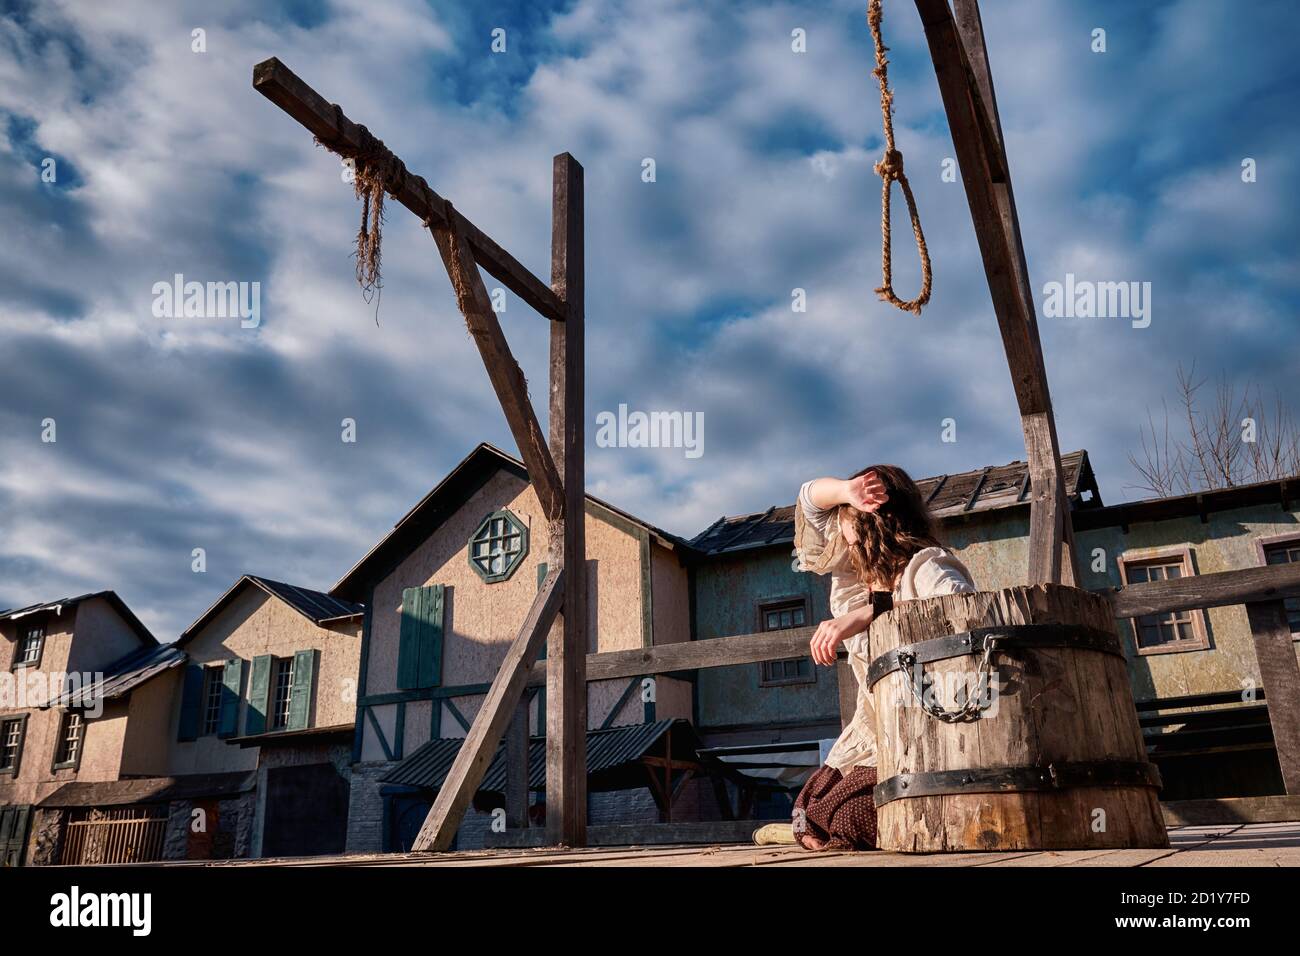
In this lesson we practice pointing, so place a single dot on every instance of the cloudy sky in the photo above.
(179, 433)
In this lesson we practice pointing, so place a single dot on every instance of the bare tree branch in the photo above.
(1236, 441)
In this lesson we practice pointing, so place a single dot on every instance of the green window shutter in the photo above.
(259, 692)
(232, 682)
(191, 703)
(304, 670)
(419, 648)
(408, 649)
(430, 672)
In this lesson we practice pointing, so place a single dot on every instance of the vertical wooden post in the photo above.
(1280, 675)
(517, 767)
(1041, 445)
(966, 85)
(566, 649)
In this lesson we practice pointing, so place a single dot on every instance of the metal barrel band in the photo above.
(1009, 638)
(1055, 776)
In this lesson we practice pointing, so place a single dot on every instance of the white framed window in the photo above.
(1174, 630)
(213, 687)
(12, 732)
(281, 693)
(1283, 549)
(71, 728)
(779, 616)
(30, 647)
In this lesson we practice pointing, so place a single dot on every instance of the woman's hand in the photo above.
(865, 492)
(830, 634)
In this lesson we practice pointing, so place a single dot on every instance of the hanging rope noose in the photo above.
(890, 170)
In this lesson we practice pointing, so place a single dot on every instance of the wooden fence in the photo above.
(126, 835)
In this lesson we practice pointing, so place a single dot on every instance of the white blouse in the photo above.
(820, 548)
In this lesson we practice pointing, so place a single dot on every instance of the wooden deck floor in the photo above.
(1260, 844)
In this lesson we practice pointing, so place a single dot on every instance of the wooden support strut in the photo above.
(281, 86)
(498, 709)
(507, 378)
(965, 82)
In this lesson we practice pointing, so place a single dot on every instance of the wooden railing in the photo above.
(1251, 586)
(1261, 589)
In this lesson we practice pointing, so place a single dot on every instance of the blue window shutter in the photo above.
(191, 702)
(259, 693)
(232, 683)
(304, 670)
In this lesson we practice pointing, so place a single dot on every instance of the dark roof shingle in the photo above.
(143, 633)
(317, 606)
(984, 489)
(124, 675)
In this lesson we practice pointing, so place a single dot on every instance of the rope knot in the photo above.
(890, 170)
(891, 167)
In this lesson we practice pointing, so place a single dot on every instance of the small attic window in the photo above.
(498, 546)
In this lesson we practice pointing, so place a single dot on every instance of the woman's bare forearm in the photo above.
(829, 492)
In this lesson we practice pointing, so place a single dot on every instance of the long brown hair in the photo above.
(890, 536)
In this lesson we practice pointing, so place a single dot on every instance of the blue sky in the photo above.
(177, 433)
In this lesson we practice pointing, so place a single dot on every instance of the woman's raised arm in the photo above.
(865, 492)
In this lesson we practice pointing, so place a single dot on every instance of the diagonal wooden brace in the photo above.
(476, 753)
(504, 372)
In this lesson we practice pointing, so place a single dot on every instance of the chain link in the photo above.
(971, 707)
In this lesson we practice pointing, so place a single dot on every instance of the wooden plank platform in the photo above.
(1225, 845)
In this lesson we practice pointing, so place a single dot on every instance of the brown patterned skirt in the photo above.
(835, 811)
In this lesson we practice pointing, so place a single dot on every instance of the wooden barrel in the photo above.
(1050, 757)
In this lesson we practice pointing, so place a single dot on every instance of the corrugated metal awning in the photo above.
(123, 676)
(610, 755)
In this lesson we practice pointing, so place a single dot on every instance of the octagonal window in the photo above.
(498, 546)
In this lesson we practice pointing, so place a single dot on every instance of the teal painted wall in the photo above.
(727, 595)
(994, 547)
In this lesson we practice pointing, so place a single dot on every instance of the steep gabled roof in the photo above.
(948, 496)
(473, 472)
(318, 607)
(141, 632)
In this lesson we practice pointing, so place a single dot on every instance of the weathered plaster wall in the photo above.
(1227, 541)
(149, 730)
(728, 593)
(102, 637)
(994, 546)
(481, 620)
(86, 638)
(253, 624)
